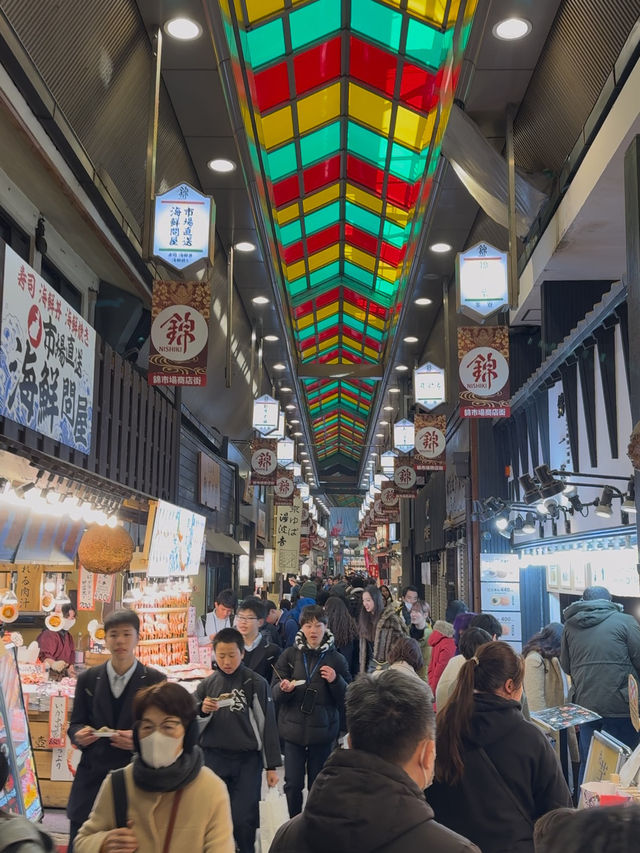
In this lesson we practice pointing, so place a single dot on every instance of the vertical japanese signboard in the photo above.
(287, 536)
(429, 388)
(264, 461)
(482, 279)
(430, 442)
(180, 314)
(405, 477)
(284, 488)
(389, 500)
(182, 228)
(483, 369)
(47, 354)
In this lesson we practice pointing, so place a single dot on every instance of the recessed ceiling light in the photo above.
(222, 165)
(440, 248)
(303, 453)
(411, 339)
(285, 389)
(271, 338)
(394, 390)
(296, 434)
(245, 246)
(401, 367)
(379, 435)
(293, 421)
(290, 406)
(388, 408)
(512, 28)
(384, 423)
(260, 300)
(423, 301)
(183, 29)
(279, 366)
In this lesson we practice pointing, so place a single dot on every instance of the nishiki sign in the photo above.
(47, 355)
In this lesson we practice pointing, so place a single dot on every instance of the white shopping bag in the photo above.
(273, 813)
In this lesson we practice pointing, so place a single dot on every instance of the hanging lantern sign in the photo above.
(284, 488)
(266, 414)
(264, 461)
(429, 386)
(297, 470)
(482, 280)
(388, 461)
(286, 447)
(403, 435)
(182, 226)
(388, 495)
(405, 477)
(430, 442)
(278, 432)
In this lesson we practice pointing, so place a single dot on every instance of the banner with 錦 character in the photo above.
(430, 442)
(47, 353)
(180, 312)
(284, 488)
(483, 370)
(389, 500)
(264, 461)
(405, 476)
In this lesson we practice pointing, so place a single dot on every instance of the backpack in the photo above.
(16, 830)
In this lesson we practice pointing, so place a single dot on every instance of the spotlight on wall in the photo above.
(502, 521)
(549, 486)
(603, 508)
(531, 491)
(529, 525)
(629, 502)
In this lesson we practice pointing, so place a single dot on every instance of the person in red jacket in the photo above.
(443, 648)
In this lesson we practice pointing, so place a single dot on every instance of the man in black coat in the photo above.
(260, 655)
(371, 796)
(104, 700)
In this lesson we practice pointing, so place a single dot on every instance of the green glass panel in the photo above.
(374, 333)
(297, 287)
(265, 43)
(352, 323)
(402, 162)
(464, 36)
(320, 144)
(385, 287)
(377, 22)
(425, 44)
(393, 234)
(362, 218)
(325, 274)
(322, 218)
(290, 233)
(282, 161)
(314, 22)
(354, 271)
(329, 323)
(364, 143)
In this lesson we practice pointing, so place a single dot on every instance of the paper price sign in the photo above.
(57, 721)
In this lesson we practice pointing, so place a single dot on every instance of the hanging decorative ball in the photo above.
(105, 550)
(633, 449)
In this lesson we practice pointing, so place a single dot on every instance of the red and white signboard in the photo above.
(180, 314)
(284, 487)
(264, 461)
(483, 369)
(405, 476)
(430, 442)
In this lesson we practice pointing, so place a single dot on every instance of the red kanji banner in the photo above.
(264, 461)
(180, 312)
(430, 442)
(483, 370)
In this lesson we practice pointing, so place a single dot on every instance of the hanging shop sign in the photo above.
(183, 226)
(278, 432)
(266, 414)
(389, 498)
(264, 461)
(180, 314)
(284, 487)
(483, 369)
(47, 353)
(405, 477)
(177, 535)
(287, 536)
(86, 589)
(482, 279)
(429, 389)
(430, 442)
(286, 448)
(403, 435)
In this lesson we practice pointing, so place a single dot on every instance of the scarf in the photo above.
(327, 643)
(177, 775)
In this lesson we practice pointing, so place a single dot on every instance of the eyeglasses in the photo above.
(246, 618)
(168, 727)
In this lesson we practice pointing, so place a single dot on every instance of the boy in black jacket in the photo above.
(242, 735)
(260, 654)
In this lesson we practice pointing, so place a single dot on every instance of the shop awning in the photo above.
(223, 544)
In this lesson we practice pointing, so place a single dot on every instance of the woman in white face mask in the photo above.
(170, 802)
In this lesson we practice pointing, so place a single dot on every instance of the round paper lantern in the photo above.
(105, 550)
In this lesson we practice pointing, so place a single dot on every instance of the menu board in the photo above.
(23, 787)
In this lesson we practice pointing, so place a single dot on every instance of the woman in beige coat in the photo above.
(545, 684)
(172, 803)
(379, 628)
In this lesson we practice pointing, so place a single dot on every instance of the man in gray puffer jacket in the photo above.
(600, 649)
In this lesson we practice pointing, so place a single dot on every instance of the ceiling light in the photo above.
(401, 367)
(411, 339)
(279, 366)
(285, 389)
(271, 338)
(297, 434)
(512, 28)
(222, 165)
(384, 423)
(549, 486)
(303, 453)
(183, 29)
(502, 521)
(245, 246)
(422, 300)
(379, 435)
(440, 248)
(260, 300)
(290, 406)
(388, 408)
(394, 390)
(294, 421)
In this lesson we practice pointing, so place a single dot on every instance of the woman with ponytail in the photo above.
(496, 773)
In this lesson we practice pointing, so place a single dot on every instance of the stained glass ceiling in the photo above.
(347, 105)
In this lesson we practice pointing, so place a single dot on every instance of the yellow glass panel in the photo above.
(388, 272)
(370, 109)
(371, 353)
(277, 127)
(307, 353)
(321, 198)
(257, 9)
(353, 311)
(363, 198)
(330, 399)
(367, 262)
(295, 271)
(237, 5)
(318, 108)
(414, 130)
(305, 322)
(328, 311)
(376, 322)
(396, 214)
(326, 256)
(288, 213)
(328, 344)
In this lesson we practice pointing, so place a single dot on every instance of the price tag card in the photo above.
(191, 622)
(194, 650)
(86, 586)
(104, 588)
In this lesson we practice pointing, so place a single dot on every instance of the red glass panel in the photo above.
(366, 242)
(329, 333)
(272, 86)
(419, 88)
(326, 298)
(365, 174)
(373, 66)
(323, 239)
(316, 66)
(300, 311)
(378, 310)
(353, 333)
(321, 174)
(292, 253)
(286, 190)
(401, 193)
(370, 342)
(355, 298)
(391, 254)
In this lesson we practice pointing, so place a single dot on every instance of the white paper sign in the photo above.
(104, 588)
(191, 622)
(182, 226)
(47, 355)
(64, 762)
(86, 584)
